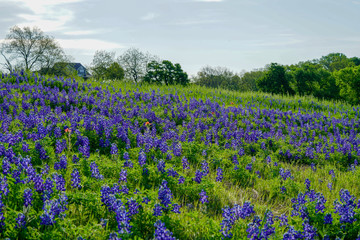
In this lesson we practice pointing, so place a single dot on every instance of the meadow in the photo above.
(116, 160)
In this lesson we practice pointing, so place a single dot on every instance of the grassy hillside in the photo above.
(108, 160)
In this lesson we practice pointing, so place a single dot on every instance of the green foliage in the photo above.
(335, 61)
(105, 66)
(59, 69)
(114, 72)
(348, 79)
(304, 78)
(165, 73)
(248, 80)
(311, 78)
(275, 80)
(326, 87)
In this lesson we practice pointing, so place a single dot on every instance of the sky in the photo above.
(237, 34)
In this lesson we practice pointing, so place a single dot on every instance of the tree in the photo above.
(114, 71)
(304, 76)
(355, 60)
(165, 73)
(232, 83)
(335, 61)
(214, 77)
(135, 63)
(275, 80)
(101, 62)
(325, 87)
(248, 80)
(348, 80)
(30, 49)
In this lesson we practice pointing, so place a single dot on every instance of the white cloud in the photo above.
(88, 44)
(47, 15)
(81, 32)
(148, 17)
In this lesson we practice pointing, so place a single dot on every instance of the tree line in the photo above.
(137, 66)
(30, 49)
(334, 76)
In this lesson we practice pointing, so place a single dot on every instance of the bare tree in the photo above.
(135, 63)
(101, 62)
(30, 49)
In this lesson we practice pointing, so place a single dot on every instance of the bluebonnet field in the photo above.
(89, 160)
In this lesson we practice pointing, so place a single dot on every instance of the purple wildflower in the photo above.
(157, 210)
(123, 175)
(20, 221)
(328, 219)
(28, 197)
(219, 175)
(203, 197)
(161, 233)
(142, 158)
(95, 171)
(198, 176)
(114, 149)
(75, 179)
(205, 168)
(249, 167)
(181, 180)
(165, 195)
(185, 163)
(176, 208)
(307, 184)
(161, 166)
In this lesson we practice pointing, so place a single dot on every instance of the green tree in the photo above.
(325, 87)
(114, 71)
(60, 69)
(275, 80)
(232, 83)
(304, 77)
(355, 60)
(348, 80)
(165, 73)
(335, 61)
(215, 77)
(248, 80)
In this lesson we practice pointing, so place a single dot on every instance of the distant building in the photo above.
(80, 69)
(66, 69)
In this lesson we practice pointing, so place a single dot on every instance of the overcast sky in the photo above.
(238, 34)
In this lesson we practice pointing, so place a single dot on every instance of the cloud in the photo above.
(88, 44)
(81, 32)
(47, 15)
(148, 17)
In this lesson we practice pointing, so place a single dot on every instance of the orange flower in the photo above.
(213, 113)
(67, 130)
(232, 103)
(147, 123)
